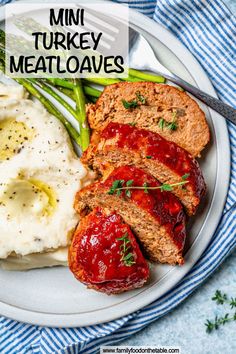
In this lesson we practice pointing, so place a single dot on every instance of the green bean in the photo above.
(80, 108)
(102, 81)
(132, 79)
(60, 82)
(146, 76)
(91, 91)
(88, 90)
(68, 92)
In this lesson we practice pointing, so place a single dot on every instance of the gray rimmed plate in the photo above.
(52, 297)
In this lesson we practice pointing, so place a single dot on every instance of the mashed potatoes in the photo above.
(39, 176)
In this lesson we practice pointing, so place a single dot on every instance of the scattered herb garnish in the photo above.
(185, 176)
(134, 103)
(169, 125)
(132, 124)
(126, 256)
(130, 104)
(141, 98)
(125, 239)
(148, 157)
(172, 126)
(118, 186)
(162, 123)
(221, 299)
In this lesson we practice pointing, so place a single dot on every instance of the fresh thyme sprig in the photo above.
(221, 299)
(126, 256)
(119, 185)
(218, 321)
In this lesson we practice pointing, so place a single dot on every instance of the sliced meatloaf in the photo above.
(156, 216)
(160, 108)
(121, 144)
(105, 255)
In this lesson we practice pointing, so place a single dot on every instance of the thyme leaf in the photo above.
(219, 298)
(128, 259)
(129, 182)
(166, 187)
(116, 185)
(128, 193)
(185, 176)
(232, 302)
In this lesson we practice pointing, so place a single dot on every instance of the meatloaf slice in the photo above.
(105, 255)
(160, 108)
(156, 216)
(121, 144)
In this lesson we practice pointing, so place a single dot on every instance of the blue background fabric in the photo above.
(208, 30)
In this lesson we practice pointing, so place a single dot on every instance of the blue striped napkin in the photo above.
(208, 29)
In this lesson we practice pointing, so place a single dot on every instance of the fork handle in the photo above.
(224, 109)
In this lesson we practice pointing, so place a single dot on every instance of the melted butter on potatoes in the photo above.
(32, 197)
(39, 177)
(13, 136)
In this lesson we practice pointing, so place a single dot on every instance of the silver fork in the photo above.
(142, 57)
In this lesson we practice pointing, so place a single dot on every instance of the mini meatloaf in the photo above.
(105, 255)
(122, 144)
(160, 108)
(156, 217)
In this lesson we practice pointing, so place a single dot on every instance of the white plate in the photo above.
(52, 297)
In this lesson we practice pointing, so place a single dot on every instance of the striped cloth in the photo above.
(208, 29)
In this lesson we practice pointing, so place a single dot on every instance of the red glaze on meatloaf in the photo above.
(158, 148)
(105, 255)
(162, 205)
